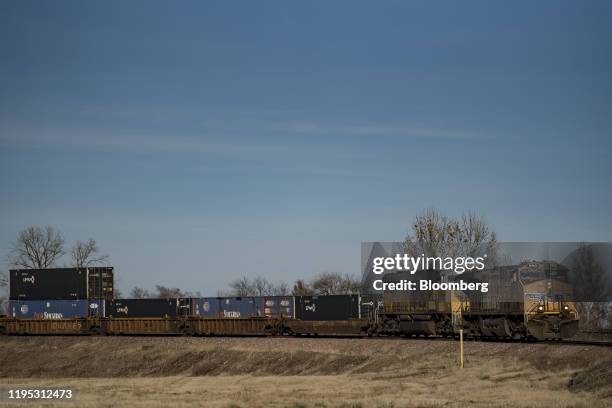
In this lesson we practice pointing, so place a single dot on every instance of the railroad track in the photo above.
(601, 343)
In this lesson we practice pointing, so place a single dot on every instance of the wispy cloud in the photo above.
(164, 141)
(121, 140)
(406, 130)
(288, 122)
(240, 132)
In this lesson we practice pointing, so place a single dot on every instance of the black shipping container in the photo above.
(100, 283)
(142, 308)
(61, 283)
(334, 307)
(57, 283)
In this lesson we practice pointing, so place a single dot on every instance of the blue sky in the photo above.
(201, 142)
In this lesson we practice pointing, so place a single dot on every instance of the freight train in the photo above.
(520, 304)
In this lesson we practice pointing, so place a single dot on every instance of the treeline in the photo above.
(328, 283)
(161, 292)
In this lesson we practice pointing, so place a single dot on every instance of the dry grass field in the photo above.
(312, 372)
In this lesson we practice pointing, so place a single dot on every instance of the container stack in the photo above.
(68, 293)
(205, 307)
(59, 293)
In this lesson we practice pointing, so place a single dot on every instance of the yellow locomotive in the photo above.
(532, 300)
(549, 307)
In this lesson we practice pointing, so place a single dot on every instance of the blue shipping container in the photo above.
(238, 307)
(205, 307)
(274, 306)
(55, 309)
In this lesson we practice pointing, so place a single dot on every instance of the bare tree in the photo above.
(434, 234)
(84, 254)
(333, 283)
(190, 294)
(167, 293)
(261, 287)
(3, 279)
(301, 288)
(224, 293)
(324, 284)
(350, 284)
(139, 293)
(282, 289)
(589, 278)
(593, 288)
(163, 292)
(241, 287)
(327, 283)
(256, 287)
(36, 248)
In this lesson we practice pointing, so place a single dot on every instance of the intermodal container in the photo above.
(61, 283)
(205, 307)
(237, 307)
(334, 307)
(142, 308)
(274, 306)
(100, 282)
(55, 309)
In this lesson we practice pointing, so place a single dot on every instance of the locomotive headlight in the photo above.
(540, 308)
(566, 308)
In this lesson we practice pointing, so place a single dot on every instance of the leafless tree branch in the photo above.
(85, 254)
(333, 283)
(434, 234)
(139, 293)
(257, 287)
(36, 248)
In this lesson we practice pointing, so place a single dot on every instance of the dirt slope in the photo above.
(159, 356)
(309, 372)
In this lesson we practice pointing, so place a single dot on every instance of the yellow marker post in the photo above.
(461, 348)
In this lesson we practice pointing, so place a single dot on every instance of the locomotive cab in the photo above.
(550, 312)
